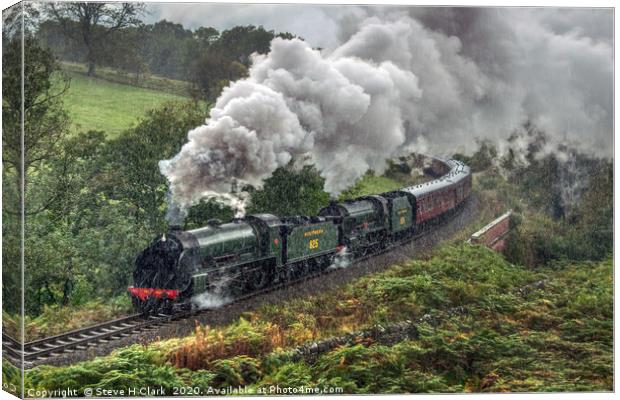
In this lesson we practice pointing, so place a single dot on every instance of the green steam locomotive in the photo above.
(257, 251)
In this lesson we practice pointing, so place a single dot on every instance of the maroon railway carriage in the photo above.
(440, 197)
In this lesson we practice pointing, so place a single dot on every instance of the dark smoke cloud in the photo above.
(420, 79)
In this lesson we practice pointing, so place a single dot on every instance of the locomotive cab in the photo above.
(363, 222)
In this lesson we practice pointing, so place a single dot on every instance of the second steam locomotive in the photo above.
(261, 250)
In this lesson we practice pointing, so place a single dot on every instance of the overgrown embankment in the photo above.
(482, 324)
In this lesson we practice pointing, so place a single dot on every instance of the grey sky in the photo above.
(317, 24)
(322, 25)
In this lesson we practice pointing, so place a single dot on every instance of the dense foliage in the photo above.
(290, 192)
(44, 126)
(92, 202)
(563, 201)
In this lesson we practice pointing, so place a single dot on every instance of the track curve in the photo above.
(96, 342)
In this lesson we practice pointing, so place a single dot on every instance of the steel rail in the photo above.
(76, 339)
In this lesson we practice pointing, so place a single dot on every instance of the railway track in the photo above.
(83, 338)
(80, 339)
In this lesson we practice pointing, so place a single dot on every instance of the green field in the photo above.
(146, 81)
(371, 184)
(97, 104)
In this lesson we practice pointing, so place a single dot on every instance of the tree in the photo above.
(91, 23)
(131, 171)
(45, 120)
(51, 36)
(30, 138)
(225, 58)
(20, 19)
(205, 210)
(240, 42)
(483, 158)
(594, 216)
(205, 37)
(165, 48)
(211, 73)
(288, 192)
(125, 52)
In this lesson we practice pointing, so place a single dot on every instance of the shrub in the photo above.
(133, 367)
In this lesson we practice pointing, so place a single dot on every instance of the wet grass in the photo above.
(98, 104)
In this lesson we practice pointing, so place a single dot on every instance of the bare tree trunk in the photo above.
(90, 59)
(91, 68)
(66, 289)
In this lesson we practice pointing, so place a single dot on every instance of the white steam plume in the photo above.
(213, 298)
(209, 300)
(341, 260)
(343, 111)
(431, 80)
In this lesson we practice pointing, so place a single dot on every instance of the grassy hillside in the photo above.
(98, 104)
(482, 324)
